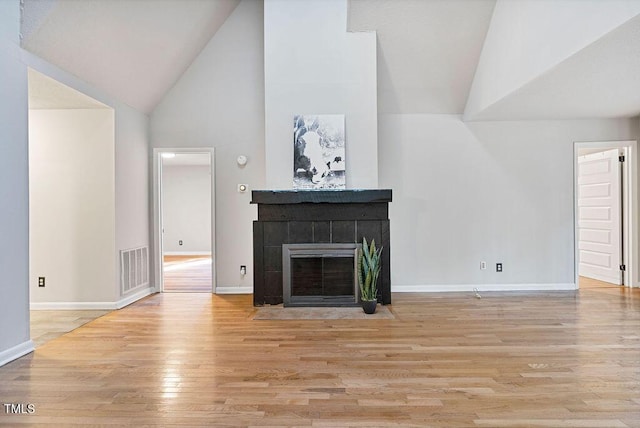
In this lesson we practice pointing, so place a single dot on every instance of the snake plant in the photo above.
(368, 270)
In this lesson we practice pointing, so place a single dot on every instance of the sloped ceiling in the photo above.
(428, 50)
(600, 81)
(133, 50)
(47, 93)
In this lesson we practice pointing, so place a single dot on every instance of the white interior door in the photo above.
(599, 216)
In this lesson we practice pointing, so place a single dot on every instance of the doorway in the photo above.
(605, 214)
(184, 241)
(71, 207)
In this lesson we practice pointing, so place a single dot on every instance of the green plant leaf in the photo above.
(368, 266)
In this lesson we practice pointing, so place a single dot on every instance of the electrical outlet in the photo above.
(41, 281)
(483, 265)
(243, 270)
(180, 242)
(498, 267)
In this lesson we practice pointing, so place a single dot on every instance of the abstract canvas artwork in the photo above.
(318, 152)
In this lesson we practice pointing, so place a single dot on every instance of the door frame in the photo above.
(629, 207)
(158, 276)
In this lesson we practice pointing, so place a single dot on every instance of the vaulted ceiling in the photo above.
(47, 93)
(428, 53)
(134, 50)
(427, 50)
(601, 80)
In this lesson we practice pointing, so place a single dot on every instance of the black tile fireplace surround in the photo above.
(313, 217)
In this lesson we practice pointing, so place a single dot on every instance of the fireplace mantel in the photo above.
(279, 197)
(315, 216)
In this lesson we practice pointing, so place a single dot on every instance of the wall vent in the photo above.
(134, 268)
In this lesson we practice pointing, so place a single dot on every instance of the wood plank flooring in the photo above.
(554, 359)
(47, 325)
(585, 282)
(187, 274)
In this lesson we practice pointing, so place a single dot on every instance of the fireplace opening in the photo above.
(319, 274)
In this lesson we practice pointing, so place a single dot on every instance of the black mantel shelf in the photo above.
(315, 216)
(351, 196)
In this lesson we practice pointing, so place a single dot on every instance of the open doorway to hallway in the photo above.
(605, 214)
(71, 207)
(185, 214)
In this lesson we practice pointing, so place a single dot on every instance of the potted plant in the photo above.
(368, 271)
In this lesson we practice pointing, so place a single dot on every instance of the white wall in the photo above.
(313, 66)
(72, 205)
(14, 214)
(529, 37)
(491, 191)
(132, 203)
(186, 212)
(219, 102)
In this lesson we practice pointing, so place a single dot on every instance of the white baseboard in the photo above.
(88, 306)
(16, 352)
(234, 290)
(187, 253)
(441, 288)
(126, 301)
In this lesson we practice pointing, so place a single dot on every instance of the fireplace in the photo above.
(319, 274)
(322, 217)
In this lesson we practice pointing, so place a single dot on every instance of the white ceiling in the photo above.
(133, 50)
(600, 81)
(427, 50)
(48, 93)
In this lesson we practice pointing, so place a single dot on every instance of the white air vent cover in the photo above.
(134, 268)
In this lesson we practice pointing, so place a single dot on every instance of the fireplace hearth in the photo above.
(329, 218)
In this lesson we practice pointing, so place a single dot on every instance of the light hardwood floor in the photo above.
(556, 359)
(187, 274)
(47, 325)
(585, 282)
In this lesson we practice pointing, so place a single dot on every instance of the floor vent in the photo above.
(134, 268)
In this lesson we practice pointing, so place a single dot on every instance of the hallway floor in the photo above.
(187, 274)
(48, 325)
